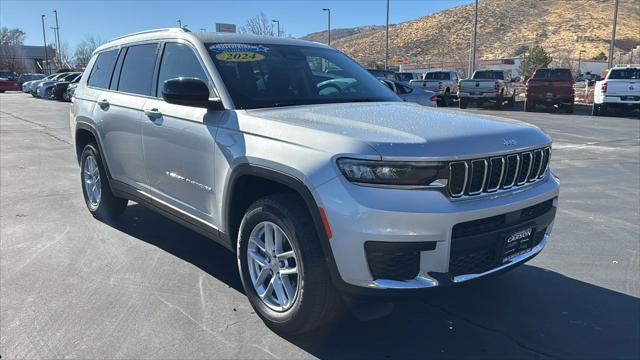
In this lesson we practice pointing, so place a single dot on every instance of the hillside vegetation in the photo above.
(505, 28)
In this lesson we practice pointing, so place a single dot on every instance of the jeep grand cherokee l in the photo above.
(320, 188)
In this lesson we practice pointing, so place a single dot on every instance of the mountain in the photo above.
(337, 34)
(506, 28)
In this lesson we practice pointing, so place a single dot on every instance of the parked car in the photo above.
(318, 195)
(71, 89)
(550, 87)
(59, 90)
(8, 85)
(443, 83)
(494, 86)
(406, 77)
(9, 75)
(410, 93)
(620, 89)
(32, 86)
(43, 87)
(23, 78)
(384, 74)
(48, 90)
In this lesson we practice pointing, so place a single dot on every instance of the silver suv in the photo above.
(314, 174)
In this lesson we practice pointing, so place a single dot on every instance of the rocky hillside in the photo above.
(505, 28)
(337, 34)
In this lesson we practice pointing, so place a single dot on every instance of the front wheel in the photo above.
(98, 197)
(282, 266)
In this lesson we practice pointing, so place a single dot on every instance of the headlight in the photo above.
(397, 173)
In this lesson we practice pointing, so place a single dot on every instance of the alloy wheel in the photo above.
(91, 180)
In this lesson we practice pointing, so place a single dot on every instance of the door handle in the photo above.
(104, 103)
(153, 113)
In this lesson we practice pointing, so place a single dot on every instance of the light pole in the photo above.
(613, 33)
(278, 22)
(46, 55)
(472, 55)
(580, 62)
(328, 25)
(386, 49)
(179, 23)
(58, 38)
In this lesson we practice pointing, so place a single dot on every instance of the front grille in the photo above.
(476, 176)
(395, 260)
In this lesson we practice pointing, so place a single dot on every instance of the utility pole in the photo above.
(58, 38)
(386, 49)
(472, 55)
(328, 25)
(46, 55)
(180, 23)
(580, 63)
(613, 33)
(278, 22)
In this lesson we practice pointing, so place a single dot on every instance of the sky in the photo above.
(107, 19)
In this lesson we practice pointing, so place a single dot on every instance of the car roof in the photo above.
(205, 37)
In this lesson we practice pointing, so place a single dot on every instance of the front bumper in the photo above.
(474, 96)
(358, 215)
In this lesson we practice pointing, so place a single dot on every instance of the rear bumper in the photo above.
(361, 215)
(490, 95)
(612, 99)
(556, 99)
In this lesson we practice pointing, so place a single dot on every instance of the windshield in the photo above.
(489, 75)
(552, 74)
(405, 76)
(437, 76)
(267, 75)
(619, 74)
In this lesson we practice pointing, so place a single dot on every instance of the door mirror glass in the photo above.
(189, 92)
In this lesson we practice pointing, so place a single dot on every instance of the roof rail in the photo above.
(152, 31)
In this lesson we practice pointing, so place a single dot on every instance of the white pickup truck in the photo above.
(495, 86)
(619, 89)
(444, 83)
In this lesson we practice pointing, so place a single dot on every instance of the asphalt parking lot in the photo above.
(145, 287)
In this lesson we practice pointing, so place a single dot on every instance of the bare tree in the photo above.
(85, 48)
(258, 25)
(10, 42)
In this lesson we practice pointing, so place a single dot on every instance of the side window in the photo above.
(404, 89)
(178, 60)
(136, 76)
(103, 67)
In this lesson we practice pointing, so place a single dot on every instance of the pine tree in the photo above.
(535, 58)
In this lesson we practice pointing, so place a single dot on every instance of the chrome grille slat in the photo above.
(486, 175)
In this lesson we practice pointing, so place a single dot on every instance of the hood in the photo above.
(403, 130)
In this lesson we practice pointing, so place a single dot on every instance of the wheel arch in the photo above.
(84, 134)
(235, 205)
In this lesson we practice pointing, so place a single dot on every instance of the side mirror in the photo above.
(189, 92)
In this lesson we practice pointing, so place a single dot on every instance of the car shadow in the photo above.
(529, 312)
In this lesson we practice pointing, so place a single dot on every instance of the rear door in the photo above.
(119, 112)
(179, 141)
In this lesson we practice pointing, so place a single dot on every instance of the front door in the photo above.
(179, 141)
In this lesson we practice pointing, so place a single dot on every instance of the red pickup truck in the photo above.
(550, 87)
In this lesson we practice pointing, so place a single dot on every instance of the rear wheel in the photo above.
(282, 266)
(446, 98)
(499, 100)
(98, 197)
(462, 103)
(528, 105)
(568, 109)
(512, 99)
(598, 109)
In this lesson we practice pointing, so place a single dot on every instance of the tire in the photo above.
(569, 109)
(314, 301)
(101, 202)
(65, 96)
(512, 99)
(603, 110)
(446, 99)
(1, 91)
(595, 110)
(462, 103)
(529, 105)
(499, 100)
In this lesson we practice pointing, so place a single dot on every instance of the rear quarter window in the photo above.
(102, 68)
(136, 76)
